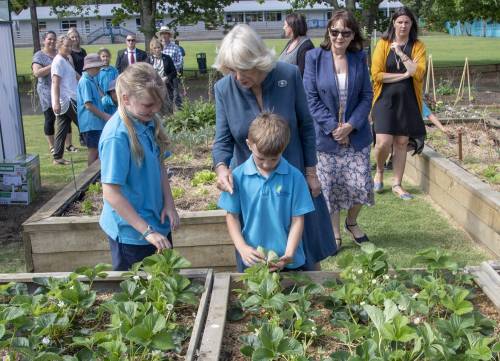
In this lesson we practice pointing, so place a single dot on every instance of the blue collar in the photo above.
(249, 167)
(140, 126)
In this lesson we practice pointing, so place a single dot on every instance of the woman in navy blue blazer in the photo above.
(339, 94)
(255, 82)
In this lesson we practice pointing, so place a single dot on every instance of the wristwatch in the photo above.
(148, 231)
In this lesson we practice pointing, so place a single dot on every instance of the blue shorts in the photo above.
(124, 255)
(91, 138)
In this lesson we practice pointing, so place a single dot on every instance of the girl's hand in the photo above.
(172, 215)
(282, 262)
(224, 178)
(314, 184)
(159, 241)
(250, 255)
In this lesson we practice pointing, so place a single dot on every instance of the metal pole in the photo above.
(460, 155)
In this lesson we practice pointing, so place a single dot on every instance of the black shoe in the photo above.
(358, 240)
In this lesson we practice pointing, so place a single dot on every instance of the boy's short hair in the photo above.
(270, 133)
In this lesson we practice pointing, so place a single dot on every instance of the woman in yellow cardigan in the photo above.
(398, 68)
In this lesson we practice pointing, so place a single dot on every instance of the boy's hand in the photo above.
(281, 263)
(250, 255)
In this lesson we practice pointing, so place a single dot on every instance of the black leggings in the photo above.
(63, 125)
(50, 120)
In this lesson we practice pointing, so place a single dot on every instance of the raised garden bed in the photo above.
(54, 242)
(471, 202)
(153, 312)
(480, 148)
(364, 312)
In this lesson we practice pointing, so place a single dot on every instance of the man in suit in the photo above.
(130, 55)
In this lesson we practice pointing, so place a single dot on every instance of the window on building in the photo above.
(234, 17)
(87, 26)
(108, 23)
(253, 17)
(272, 16)
(137, 22)
(66, 24)
(42, 26)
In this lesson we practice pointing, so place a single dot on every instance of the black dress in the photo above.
(396, 110)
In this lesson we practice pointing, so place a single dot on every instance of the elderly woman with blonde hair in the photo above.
(254, 82)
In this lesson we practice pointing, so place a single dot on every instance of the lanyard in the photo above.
(342, 102)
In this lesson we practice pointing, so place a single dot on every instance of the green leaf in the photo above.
(376, 315)
(263, 354)
(48, 356)
(163, 341)
(290, 346)
(46, 320)
(11, 313)
(235, 313)
(496, 347)
(20, 342)
(140, 334)
(2, 330)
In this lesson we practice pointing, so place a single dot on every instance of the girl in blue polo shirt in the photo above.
(91, 117)
(139, 211)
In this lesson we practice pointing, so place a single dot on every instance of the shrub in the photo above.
(193, 116)
(203, 177)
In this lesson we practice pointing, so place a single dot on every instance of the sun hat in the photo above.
(164, 29)
(92, 61)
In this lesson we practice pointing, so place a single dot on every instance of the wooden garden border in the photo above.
(211, 343)
(471, 202)
(53, 243)
(112, 282)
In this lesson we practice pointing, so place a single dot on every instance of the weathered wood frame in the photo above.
(53, 243)
(213, 335)
(470, 202)
(112, 282)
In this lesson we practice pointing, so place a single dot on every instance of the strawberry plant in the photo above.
(65, 318)
(374, 313)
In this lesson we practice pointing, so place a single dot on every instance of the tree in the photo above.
(368, 15)
(181, 12)
(19, 5)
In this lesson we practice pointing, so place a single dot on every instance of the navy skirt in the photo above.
(318, 238)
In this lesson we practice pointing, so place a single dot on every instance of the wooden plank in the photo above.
(68, 261)
(54, 205)
(28, 258)
(201, 316)
(492, 274)
(493, 293)
(216, 319)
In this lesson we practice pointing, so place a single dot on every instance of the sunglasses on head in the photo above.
(335, 33)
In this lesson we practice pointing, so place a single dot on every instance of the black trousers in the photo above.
(63, 126)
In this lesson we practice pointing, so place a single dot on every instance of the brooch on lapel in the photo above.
(282, 83)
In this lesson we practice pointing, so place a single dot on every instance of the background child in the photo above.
(91, 117)
(108, 72)
(110, 101)
(270, 196)
(139, 212)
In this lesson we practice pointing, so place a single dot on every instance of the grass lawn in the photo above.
(53, 176)
(403, 228)
(446, 51)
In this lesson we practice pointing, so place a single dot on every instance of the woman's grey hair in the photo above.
(243, 49)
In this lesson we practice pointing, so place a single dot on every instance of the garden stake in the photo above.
(73, 170)
(461, 87)
(460, 156)
(430, 75)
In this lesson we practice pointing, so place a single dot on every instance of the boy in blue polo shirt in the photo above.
(270, 196)
(91, 116)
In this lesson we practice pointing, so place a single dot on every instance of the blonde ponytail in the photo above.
(139, 79)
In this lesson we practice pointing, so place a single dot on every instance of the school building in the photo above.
(95, 25)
